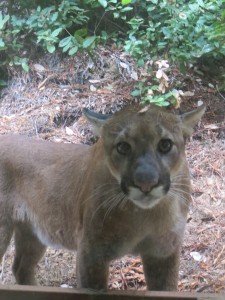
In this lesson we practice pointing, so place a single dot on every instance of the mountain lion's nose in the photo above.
(146, 186)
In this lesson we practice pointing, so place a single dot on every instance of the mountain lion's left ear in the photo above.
(190, 119)
(96, 119)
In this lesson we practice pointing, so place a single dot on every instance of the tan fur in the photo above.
(97, 201)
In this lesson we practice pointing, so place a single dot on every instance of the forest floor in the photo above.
(47, 103)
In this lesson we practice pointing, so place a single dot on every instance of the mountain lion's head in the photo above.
(144, 149)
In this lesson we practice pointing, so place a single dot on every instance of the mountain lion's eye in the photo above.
(165, 146)
(123, 148)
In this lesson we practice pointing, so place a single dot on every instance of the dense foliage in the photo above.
(176, 30)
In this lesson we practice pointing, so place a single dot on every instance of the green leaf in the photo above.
(81, 32)
(156, 99)
(207, 48)
(201, 3)
(128, 8)
(25, 66)
(3, 83)
(125, 2)
(88, 41)
(54, 17)
(3, 20)
(2, 43)
(73, 50)
(56, 32)
(164, 103)
(50, 48)
(66, 47)
(193, 7)
(77, 39)
(135, 93)
(116, 15)
(103, 3)
(167, 32)
(65, 41)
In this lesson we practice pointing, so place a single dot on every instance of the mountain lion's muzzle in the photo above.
(147, 183)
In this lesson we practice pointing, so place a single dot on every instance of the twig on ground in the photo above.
(3, 266)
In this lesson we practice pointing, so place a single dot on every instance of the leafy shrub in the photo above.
(150, 30)
(45, 26)
(180, 30)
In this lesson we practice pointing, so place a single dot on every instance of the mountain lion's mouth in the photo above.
(146, 200)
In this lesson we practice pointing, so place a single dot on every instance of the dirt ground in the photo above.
(47, 103)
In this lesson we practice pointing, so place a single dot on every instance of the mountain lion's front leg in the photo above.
(91, 267)
(28, 252)
(161, 274)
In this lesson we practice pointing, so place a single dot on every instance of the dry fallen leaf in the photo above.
(196, 255)
(134, 75)
(94, 80)
(39, 68)
(159, 74)
(188, 94)
(123, 65)
(211, 126)
(69, 131)
(162, 64)
(93, 88)
(200, 102)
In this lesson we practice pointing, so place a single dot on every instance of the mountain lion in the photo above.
(128, 193)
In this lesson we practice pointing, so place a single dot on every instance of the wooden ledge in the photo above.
(18, 292)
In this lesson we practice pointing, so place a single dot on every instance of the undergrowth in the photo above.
(156, 33)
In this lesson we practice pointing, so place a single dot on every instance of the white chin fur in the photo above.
(143, 201)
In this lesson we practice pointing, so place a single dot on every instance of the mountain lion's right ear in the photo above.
(191, 118)
(97, 120)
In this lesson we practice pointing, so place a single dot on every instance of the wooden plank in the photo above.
(50, 293)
